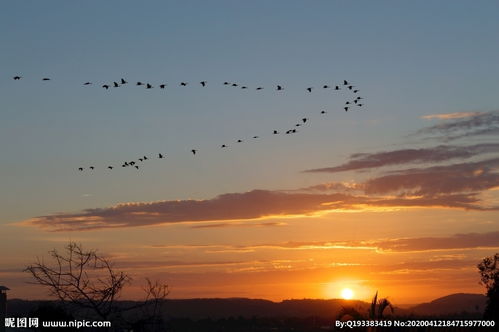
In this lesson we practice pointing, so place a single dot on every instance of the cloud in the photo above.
(234, 206)
(437, 180)
(424, 155)
(477, 125)
(446, 116)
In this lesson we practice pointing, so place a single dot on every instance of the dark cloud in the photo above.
(432, 181)
(424, 155)
(236, 206)
(479, 124)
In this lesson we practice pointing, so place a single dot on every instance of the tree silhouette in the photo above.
(378, 307)
(489, 277)
(87, 280)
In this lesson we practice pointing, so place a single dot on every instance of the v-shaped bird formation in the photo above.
(137, 163)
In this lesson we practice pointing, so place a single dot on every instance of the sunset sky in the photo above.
(400, 195)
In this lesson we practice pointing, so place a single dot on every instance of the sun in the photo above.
(347, 293)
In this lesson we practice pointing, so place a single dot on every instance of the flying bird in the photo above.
(346, 109)
(244, 87)
(110, 167)
(323, 112)
(234, 84)
(337, 88)
(105, 86)
(226, 83)
(80, 168)
(355, 91)
(259, 88)
(45, 79)
(17, 78)
(309, 89)
(91, 167)
(149, 86)
(193, 151)
(203, 83)
(239, 140)
(304, 120)
(123, 81)
(160, 156)
(345, 82)
(183, 83)
(87, 83)
(255, 136)
(140, 83)
(137, 167)
(162, 86)
(326, 87)
(275, 132)
(279, 88)
(223, 146)
(115, 84)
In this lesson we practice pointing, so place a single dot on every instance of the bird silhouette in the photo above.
(87, 83)
(337, 87)
(223, 146)
(203, 83)
(304, 120)
(275, 132)
(140, 159)
(347, 103)
(80, 168)
(226, 83)
(149, 86)
(145, 158)
(17, 78)
(140, 83)
(110, 167)
(183, 83)
(234, 84)
(350, 87)
(346, 109)
(137, 167)
(259, 88)
(298, 125)
(193, 151)
(239, 140)
(123, 81)
(92, 167)
(360, 105)
(355, 91)
(279, 88)
(160, 156)
(115, 84)
(255, 137)
(244, 87)
(323, 112)
(45, 79)
(162, 86)
(105, 86)
(345, 82)
(326, 87)
(309, 89)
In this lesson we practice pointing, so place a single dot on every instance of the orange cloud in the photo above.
(457, 115)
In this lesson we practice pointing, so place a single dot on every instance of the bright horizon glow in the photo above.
(347, 293)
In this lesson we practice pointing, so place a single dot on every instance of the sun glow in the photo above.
(347, 293)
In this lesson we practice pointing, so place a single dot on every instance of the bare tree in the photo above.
(86, 279)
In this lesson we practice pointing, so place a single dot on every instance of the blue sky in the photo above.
(408, 59)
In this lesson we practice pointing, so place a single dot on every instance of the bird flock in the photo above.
(357, 101)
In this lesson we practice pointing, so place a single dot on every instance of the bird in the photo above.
(162, 86)
(309, 89)
(355, 101)
(183, 83)
(239, 140)
(360, 105)
(355, 91)
(244, 87)
(347, 103)
(298, 125)
(326, 87)
(145, 158)
(279, 88)
(105, 86)
(140, 83)
(80, 168)
(91, 167)
(17, 78)
(137, 167)
(193, 151)
(87, 83)
(226, 83)
(337, 88)
(275, 132)
(323, 112)
(293, 131)
(234, 84)
(125, 163)
(346, 109)
(259, 88)
(304, 120)
(160, 156)
(123, 81)
(255, 137)
(115, 84)
(203, 83)
(345, 82)
(140, 159)
(223, 146)
(149, 86)
(45, 79)
(110, 167)
(350, 87)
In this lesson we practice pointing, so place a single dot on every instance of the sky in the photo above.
(399, 195)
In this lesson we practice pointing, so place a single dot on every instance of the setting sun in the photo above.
(347, 293)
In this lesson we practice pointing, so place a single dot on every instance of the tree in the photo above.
(88, 280)
(489, 277)
(378, 307)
